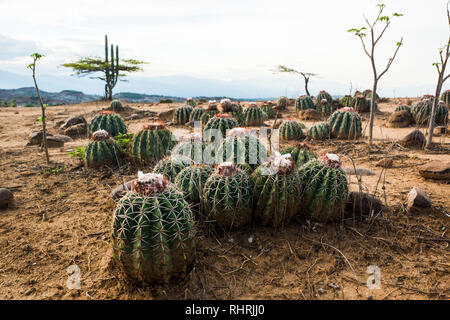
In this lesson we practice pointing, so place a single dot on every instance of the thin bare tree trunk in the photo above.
(44, 129)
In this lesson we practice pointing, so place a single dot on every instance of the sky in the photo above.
(228, 41)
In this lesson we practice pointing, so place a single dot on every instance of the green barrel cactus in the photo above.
(282, 102)
(403, 107)
(181, 114)
(191, 102)
(243, 148)
(116, 105)
(197, 113)
(291, 129)
(254, 116)
(324, 95)
(368, 95)
(151, 144)
(345, 124)
(319, 131)
(300, 153)
(441, 116)
(276, 190)
(109, 121)
(304, 102)
(324, 189)
(102, 150)
(347, 101)
(234, 108)
(421, 111)
(324, 107)
(153, 232)
(227, 197)
(170, 166)
(361, 104)
(221, 122)
(269, 110)
(191, 146)
(190, 182)
(445, 96)
(211, 111)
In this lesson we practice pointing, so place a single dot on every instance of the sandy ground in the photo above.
(303, 261)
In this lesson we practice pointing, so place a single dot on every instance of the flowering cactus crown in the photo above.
(106, 112)
(348, 109)
(239, 132)
(100, 135)
(223, 115)
(154, 125)
(225, 101)
(227, 168)
(331, 160)
(149, 183)
(281, 163)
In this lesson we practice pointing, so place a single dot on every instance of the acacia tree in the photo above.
(444, 54)
(305, 75)
(111, 67)
(36, 56)
(370, 52)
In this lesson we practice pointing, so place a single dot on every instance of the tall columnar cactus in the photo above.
(211, 111)
(345, 125)
(300, 153)
(191, 102)
(445, 96)
(227, 197)
(197, 113)
(441, 116)
(109, 121)
(319, 131)
(181, 114)
(102, 150)
(324, 189)
(191, 146)
(116, 105)
(361, 104)
(277, 188)
(421, 111)
(291, 129)
(347, 101)
(304, 102)
(221, 122)
(324, 95)
(324, 106)
(154, 233)
(191, 181)
(254, 116)
(403, 107)
(282, 102)
(243, 148)
(151, 144)
(170, 166)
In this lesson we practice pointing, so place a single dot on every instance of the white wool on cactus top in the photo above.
(324, 101)
(150, 178)
(253, 104)
(238, 132)
(226, 164)
(225, 101)
(283, 161)
(332, 157)
(212, 101)
(100, 135)
(193, 136)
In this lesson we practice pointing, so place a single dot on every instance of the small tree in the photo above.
(111, 68)
(305, 75)
(370, 52)
(32, 66)
(444, 54)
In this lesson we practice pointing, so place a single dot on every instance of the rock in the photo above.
(63, 137)
(359, 171)
(6, 197)
(417, 200)
(134, 116)
(35, 138)
(414, 139)
(73, 121)
(55, 142)
(120, 190)
(399, 119)
(166, 115)
(385, 163)
(438, 170)
(309, 114)
(362, 203)
(78, 130)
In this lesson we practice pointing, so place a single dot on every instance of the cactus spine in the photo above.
(345, 125)
(254, 116)
(116, 105)
(300, 153)
(324, 189)
(190, 181)
(421, 111)
(291, 129)
(304, 102)
(181, 114)
(109, 121)
(347, 101)
(170, 166)
(269, 111)
(221, 122)
(319, 131)
(101, 150)
(197, 113)
(153, 231)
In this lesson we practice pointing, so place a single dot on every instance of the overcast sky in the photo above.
(226, 39)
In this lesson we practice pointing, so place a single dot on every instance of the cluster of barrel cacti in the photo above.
(182, 114)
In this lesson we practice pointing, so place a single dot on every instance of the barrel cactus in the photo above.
(441, 116)
(282, 102)
(151, 144)
(191, 146)
(242, 147)
(421, 111)
(345, 124)
(324, 107)
(227, 197)
(154, 233)
(361, 104)
(291, 129)
(254, 116)
(181, 114)
(304, 102)
(445, 96)
(276, 191)
(324, 189)
(268, 109)
(403, 107)
(347, 101)
(324, 95)
(234, 108)
(109, 121)
(221, 122)
(101, 150)
(368, 95)
(319, 131)
(300, 153)
(190, 182)
(211, 111)
(197, 113)
(191, 102)
(116, 105)
(170, 166)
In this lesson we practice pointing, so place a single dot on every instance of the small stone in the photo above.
(76, 130)
(321, 290)
(73, 121)
(385, 163)
(6, 197)
(63, 137)
(358, 171)
(414, 139)
(166, 115)
(361, 203)
(134, 116)
(121, 190)
(35, 137)
(309, 114)
(438, 170)
(399, 119)
(417, 200)
(54, 142)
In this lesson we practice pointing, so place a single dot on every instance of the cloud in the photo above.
(12, 48)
